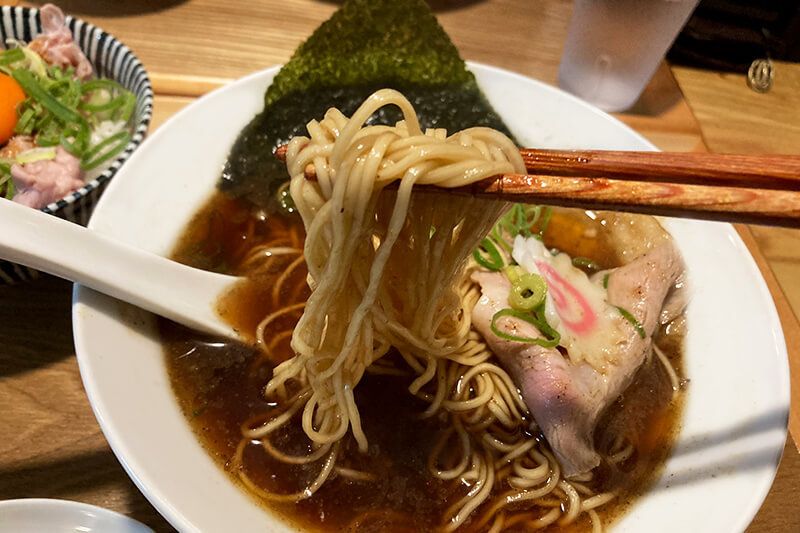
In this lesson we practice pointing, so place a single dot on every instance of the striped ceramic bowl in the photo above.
(110, 59)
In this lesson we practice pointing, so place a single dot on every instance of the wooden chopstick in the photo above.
(735, 170)
(707, 202)
(753, 189)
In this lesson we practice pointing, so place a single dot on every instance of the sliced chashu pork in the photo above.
(566, 400)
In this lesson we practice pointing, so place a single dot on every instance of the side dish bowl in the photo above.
(734, 424)
(110, 59)
(42, 515)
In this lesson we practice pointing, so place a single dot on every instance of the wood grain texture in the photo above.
(51, 445)
(231, 39)
(736, 119)
(781, 247)
(737, 170)
(729, 204)
(779, 513)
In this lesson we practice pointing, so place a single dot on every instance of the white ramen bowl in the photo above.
(734, 424)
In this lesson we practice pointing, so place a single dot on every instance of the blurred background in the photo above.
(730, 34)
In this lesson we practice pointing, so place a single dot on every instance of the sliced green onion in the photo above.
(7, 189)
(26, 122)
(630, 318)
(497, 235)
(551, 342)
(605, 281)
(513, 272)
(527, 292)
(34, 62)
(545, 220)
(516, 221)
(493, 261)
(75, 138)
(522, 223)
(118, 104)
(586, 263)
(287, 203)
(544, 327)
(36, 154)
(11, 56)
(67, 92)
(112, 104)
(35, 90)
(97, 156)
(537, 212)
(48, 132)
(100, 84)
(127, 107)
(62, 110)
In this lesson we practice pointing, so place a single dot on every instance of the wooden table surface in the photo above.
(51, 445)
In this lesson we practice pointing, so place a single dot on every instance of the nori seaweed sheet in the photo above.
(365, 46)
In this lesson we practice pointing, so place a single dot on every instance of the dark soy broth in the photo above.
(219, 386)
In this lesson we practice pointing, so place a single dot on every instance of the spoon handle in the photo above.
(183, 294)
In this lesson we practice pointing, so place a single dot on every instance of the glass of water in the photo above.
(614, 47)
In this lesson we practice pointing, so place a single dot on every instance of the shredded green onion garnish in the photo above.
(630, 318)
(493, 260)
(548, 211)
(496, 235)
(7, 188)
(101, 153)
(36, 154)
(605, 281)
(516, 221)
(513, 272)
(552, 336)
(586, 263)
(62, 110)
(527, 292)
(75, 138)
(41, 95)
(519, 220)
(11, 56)
(537, 212)
(126, 110)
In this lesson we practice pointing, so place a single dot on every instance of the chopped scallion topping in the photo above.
(102, 153)
(11, 55)
(492, 260)
(513, 272)
(62, 110)
(548, 211)
(585, 263)
(552, 337)
(527, 292)
(37, 92)
(630, 318)
(7, 189)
